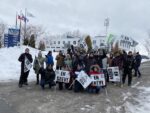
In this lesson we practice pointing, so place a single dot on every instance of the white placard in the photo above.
(62, 76)
(84, 79)
(114, 74)
(27, 65)
(98, 80)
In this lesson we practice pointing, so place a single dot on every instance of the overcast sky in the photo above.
(128, 17)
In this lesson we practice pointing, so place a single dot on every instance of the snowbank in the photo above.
(145, 60)
(10, 66)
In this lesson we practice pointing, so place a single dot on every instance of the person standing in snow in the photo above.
(128, 66)
(38, 63)
(137, 64)
(26, 60)
(49, 59)
(60, 60)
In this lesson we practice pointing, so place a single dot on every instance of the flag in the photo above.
(25, 18)
(30, 14)
(22, 17)
(110, 38)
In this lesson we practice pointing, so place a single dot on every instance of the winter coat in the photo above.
(105, 63)
(68, 62)
(60, 60)
(110, 61)
(118, 61)
(49, 60)
(38, 63)
(22, 60)
(138, 60)
(129, 63)
(90, 62)
(47, 75)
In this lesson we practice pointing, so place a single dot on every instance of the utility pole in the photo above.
(106, 24)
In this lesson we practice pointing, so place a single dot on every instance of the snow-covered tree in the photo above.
(3, 27)
(35, 30)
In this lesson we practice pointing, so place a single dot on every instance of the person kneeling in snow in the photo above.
(77, 86)
(47, 76)
(95, 70)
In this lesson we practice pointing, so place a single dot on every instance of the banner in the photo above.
(62, 76)
(84, 79)
(113, 73)
(98, 80)
(27, 65)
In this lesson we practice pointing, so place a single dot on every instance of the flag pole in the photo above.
(20, 28)
(16, 19)
(25, 25)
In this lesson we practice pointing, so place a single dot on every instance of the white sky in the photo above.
(128, 17)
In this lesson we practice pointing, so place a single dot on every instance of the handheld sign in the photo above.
(114, 74)
(62, 76)
(27, 65)
(98, 80)
(84, 79)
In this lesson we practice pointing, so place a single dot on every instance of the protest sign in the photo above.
(98, 80)
(62, 76)
(113, 73)
(27, 65)
(84, 79)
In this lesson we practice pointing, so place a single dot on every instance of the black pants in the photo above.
(58, 67)
(137, 71)
(24, 78)
(77, 86)
(125, 73)
(37, 78)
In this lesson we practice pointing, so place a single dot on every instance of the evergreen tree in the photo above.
(25, 41)
(0, 44)
(41, 46)
(32, 41)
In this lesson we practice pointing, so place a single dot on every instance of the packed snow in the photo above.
(143, 101)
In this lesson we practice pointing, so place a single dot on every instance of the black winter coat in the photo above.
(47, 75)
(22, 60)
(138, 60)
(129, 63)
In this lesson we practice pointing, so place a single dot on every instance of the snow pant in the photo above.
(94, 89)
(44, 82)
(24, 78)
(58, 67)
(77, 86)
(106, 75)
(129, 73)
(37, 78)
(137, 71)
(61, 85)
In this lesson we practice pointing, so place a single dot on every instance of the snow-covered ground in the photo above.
(143, 102)
(10, 70)
(10, 66)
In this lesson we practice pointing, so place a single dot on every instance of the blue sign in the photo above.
(12, 38)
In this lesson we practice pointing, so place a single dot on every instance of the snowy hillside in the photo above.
(10, 66)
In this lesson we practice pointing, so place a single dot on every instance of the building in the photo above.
(60, 43)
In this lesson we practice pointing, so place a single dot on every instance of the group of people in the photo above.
(93, 62)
